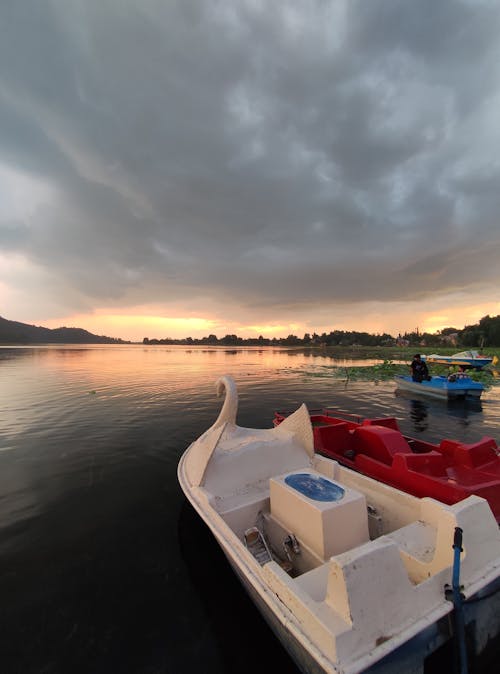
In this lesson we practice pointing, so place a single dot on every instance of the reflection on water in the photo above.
(464, 410)
(418, 414)
(93, 552)
(461, 410)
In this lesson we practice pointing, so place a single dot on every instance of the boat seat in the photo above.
(315, 581)
(387, 422)
(379, 442)
(334, 438)
(428, 463)
(473, 455)
(447, 447)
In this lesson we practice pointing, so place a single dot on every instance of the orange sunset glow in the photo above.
(135, 326)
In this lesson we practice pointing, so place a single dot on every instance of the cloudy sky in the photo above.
(180, 168)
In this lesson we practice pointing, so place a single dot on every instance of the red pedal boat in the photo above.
(448, 472)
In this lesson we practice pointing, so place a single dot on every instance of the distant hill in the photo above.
(12, 332)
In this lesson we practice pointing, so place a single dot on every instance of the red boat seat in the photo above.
(447, 447)
(428, 463)
(473, 455)
(335, 438)
(379, 443)
(388, 422)
(477, 454)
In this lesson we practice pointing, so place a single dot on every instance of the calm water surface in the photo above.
(103, 566)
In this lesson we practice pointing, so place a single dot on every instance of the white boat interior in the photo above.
(350, 568)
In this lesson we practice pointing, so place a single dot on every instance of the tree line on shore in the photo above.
(486, 333)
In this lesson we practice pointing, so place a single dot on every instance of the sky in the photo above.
(184, 168)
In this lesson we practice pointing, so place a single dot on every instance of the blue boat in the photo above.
(467, 359)
(443, 388)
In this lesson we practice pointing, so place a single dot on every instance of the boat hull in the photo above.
(411, 656)
(299, 654)
(440, 388)
(266, 602)
(414, 656)
(271, 609)
(472, 361)
(349, 573)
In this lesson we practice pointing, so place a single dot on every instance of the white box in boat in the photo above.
(328, 517)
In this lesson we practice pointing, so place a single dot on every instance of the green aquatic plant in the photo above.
(387, 370)
(379, 372)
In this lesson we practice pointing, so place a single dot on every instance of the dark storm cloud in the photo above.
(268, 153)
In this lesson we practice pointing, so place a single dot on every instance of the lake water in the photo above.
(103, 566)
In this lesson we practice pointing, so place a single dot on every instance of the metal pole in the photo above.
(457, 603)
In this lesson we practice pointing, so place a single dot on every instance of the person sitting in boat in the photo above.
(419, 370)
(460, 374)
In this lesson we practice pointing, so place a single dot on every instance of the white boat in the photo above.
(442, 388)
(351, 574)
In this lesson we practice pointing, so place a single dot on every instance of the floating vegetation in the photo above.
(387, 370)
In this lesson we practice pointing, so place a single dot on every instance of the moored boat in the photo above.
(350, 573)
(449, 471)
(440, 387)
(467, 359)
